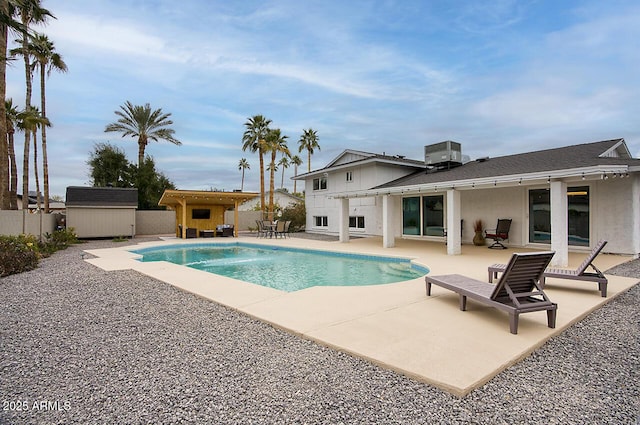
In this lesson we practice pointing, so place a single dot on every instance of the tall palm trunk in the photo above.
(35, 174)
(282, 179)
(27, 105)
(25, 179)
(261, 155)
(5, 193)
(242, 182)
(45, 163)
(295, 174)
(13, 169)
(272, 178)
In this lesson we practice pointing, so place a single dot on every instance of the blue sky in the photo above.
(498, 76)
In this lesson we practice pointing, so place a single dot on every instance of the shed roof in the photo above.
(171, 198)
(83, 196)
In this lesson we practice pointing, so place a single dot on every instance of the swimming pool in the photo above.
(286, 269)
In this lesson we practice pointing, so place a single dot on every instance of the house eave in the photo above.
(358, 163)
(528, 179)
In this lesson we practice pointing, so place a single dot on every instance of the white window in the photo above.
(356, 222)
(320, 220)
(320, 183)
(349, 176)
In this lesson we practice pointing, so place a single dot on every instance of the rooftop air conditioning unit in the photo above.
(443, 153)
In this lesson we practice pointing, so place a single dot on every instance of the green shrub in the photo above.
(18, 254)
(297, 213)
(60, 239)
(21, 253)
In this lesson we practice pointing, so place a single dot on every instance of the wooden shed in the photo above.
(97, 212)
(201, 213)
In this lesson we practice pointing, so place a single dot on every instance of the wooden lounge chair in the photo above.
(578, 274)
(500, 233)
(517, 291)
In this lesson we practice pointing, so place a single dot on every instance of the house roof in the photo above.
(362, 158)
(589, 160)
(588, 155)
(101, 196)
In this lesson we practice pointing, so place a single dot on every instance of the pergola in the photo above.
(184, 200)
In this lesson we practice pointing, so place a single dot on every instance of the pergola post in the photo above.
(235, 218)
(183, 219)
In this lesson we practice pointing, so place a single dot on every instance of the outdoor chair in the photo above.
(268, 228)
(287, 224)
(500, 233)
(224, 230)
(279, 230)
(578, 274)
(190, 232)
(518, 290)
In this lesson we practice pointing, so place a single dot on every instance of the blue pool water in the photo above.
(286, 269)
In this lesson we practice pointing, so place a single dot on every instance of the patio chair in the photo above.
(578, 274)
(518, 290)
(268, 228)
(499, 234)
(287, 224)
(279, 230)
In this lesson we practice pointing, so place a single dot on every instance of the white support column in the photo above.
(343, 216)
(388, 238)
(635, 218)
(454, 240)
(559, 224)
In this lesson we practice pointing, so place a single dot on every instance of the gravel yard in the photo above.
(79, 345)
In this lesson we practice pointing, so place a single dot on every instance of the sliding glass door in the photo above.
(578, 216)
(423, 215)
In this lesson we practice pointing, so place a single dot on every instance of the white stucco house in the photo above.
(562, 199)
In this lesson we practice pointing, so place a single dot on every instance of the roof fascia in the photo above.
(358, 163)
(582, 173)
(620, 145)
(346, 151)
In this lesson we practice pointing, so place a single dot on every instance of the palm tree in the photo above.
(253, 139)
(48, 60)
(29, 121)
(243, 165)
(296, 161)
(284, 163)
(30, 11)
(5, 179)
(309, 142)
(11, 119)
(145, 124)
(276, 143)
(7, 23)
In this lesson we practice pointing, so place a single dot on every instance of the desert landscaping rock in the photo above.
(80, 345)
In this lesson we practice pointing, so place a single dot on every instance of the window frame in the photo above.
(322, 219)
(359, 221)
(320, 183)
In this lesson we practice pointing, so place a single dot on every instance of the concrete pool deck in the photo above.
(394, 325)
